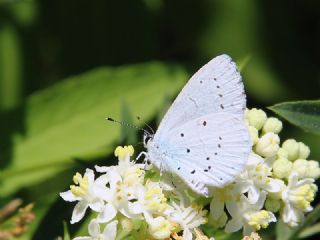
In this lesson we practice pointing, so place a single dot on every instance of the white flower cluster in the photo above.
(281, 171)
(132, 199)
(122, 195)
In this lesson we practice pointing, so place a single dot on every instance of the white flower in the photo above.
(249, 216)
(85, 192)
(117, 195)
(150, 200)
(292, 148)
(160, 227)
(256, 117)
(268, 145)
(109, 232)
(297, 197)
(220, 196)
(257, 177)
(120, 185)
(282, 168)
(272, 125)
(187, 217)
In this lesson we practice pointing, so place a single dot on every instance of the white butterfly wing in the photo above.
(216, 87)
(210, 150)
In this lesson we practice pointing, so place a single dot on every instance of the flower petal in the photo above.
(79, 211)
(253, 194)
(275, 185)
(110, 231)
(101, 169)
(108, 213)
(259, 204)
(90, 174)
(233, 209)
(69, 197)
(97, 205)
(216, 208)
(94, 228)
(82, 238)
(187, 234)
(233, 225)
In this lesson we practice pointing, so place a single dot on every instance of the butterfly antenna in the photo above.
(127, 125)
(146, 124)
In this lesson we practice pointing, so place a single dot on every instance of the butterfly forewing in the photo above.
(216, 87)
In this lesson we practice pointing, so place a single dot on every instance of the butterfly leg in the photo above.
(146, 159)
(145, 154)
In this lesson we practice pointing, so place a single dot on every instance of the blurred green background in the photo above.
(65, 65)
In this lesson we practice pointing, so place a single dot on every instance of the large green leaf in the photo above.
(67, 121)
(304, 114)
(10, 67)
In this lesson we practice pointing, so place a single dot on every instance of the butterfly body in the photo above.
(203, 138)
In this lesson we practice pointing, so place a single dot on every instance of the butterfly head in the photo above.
(147, 138)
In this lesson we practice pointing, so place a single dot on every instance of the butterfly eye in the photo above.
(147, 138)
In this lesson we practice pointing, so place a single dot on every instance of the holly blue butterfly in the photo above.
(203, 138)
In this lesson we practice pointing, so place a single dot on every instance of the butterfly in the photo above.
(203, 138)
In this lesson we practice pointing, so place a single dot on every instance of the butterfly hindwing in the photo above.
(211, 150)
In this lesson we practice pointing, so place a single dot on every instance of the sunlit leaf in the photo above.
(67, 121)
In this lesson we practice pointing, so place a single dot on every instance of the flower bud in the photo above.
(268, 145)
(301, 166)
(282, 168)
(272, 125)
(292, 147)
(256, 118)
(282, 153)
(253, 134)
(304, 151)
(314, 170)
(272, 205)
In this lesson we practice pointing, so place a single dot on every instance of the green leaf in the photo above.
(67, 121)
(66, 235)
(10, 67)
(128, 133)
(304, 114)
(283, 231)
(310, 231)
